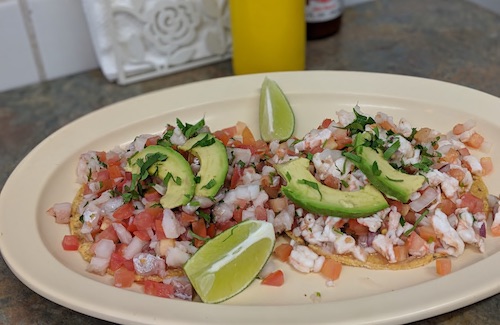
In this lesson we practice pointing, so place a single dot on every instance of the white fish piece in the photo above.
(171, 226)
(344, 244)
(383, 245)
(452, 243)
(123, 234)
(135, 247)
(176, 256)
(148, 264)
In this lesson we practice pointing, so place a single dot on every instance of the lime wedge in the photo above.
(276, 118)
(229, 262)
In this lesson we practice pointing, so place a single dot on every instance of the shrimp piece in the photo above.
(61, 211)
(452, 243)
(466, 230)
(284, 220)
(383, 245)
(171, 226)
(304, 260)
(148, 264)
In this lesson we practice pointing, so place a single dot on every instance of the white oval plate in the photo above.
(31, 241)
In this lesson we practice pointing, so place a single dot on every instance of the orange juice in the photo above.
(268, 35)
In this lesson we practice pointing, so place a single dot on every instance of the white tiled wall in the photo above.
(42, 40)
(17, 63)
(46, 39)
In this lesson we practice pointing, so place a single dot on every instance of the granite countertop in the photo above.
(448, 40)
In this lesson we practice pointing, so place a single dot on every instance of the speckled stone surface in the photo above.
(447, 40)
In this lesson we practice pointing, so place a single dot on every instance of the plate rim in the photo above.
(279, 314)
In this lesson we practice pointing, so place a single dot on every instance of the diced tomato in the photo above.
(278, 204)
(70, 243)
(475, 141)
(116, 261)
(472, 202)
(152, 140)
(106, 184)
(447, 206)
(261, 147)
(108, 233)
(235, 178)
(199, 227)
(247, 137)
(102, 175)
(142, 234)
(159, 289)
(260, 213)
(222, 136)
(458, 129)
(160, 232)
(386, 125)
(331, 269)
(450, 156)
(283, 251)
(401, 252)
(415, 243)
(114, 171)
(427, 233)
(225, 225)
(443, 266)
(357, 228)
(456, 173)
(276, 279)
(124, 212)
(238, 214)
(186, 218)
(342, 138)
(144, 221)
(326, 123)
(487, 165)
(267, 185)
(332, 181)
(124, 278)
(495, 230)
(152, 195)
(101, 155)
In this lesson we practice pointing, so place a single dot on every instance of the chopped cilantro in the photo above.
(311, 184)
(210, 184)
(190, 129)
(391, 150)
(409, 231)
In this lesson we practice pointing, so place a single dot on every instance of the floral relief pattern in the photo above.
(157, 37)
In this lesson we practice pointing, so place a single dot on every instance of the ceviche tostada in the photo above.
(358, 190)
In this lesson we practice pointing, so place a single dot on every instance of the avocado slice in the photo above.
(305, 191)
(390, 181)
(170, 166)
(213, 163)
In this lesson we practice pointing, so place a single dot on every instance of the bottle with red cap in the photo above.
(323, 18)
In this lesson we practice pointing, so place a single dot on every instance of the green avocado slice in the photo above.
(388, 180)
(213, 163)
(305, 191)
(169, 165)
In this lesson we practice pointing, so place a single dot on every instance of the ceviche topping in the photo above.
(357, 190)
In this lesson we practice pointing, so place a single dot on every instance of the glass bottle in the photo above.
(323, 18)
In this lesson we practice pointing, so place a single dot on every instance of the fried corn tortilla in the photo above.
(376, 261)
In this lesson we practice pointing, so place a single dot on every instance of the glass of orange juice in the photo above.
(268, 35)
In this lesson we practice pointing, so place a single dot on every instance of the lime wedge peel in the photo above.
(276, 117)
(228, 263)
